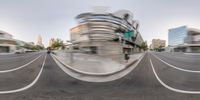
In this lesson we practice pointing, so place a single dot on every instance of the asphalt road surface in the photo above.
(152, 79)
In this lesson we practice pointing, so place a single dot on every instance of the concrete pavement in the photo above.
(100, 77)
(89, 63)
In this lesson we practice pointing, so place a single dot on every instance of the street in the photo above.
(99, 50)
(152, 79)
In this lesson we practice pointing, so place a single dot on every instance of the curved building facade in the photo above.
(106, 33)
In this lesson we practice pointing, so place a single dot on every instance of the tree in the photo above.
(57, 44)
(160, 47)
(144, 46)
(38, 47)
(32, 47)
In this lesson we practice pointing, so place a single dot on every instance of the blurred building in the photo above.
(39, 41)
(7, 43)
(158, 44)
(10, 45)
(184, 39)
(51, 41)
(31, 43)
(106, 33)
(150, 46)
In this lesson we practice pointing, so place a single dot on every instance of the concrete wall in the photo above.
(103, 47)
(11, 48)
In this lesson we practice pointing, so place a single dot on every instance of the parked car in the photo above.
(20, 51)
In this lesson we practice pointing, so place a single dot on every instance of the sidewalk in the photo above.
(94, 64)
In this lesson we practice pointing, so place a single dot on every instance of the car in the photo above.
(19, 51)
(48, 50)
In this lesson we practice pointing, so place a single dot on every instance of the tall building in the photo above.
(39, 40)
(51, 41)
(176, 36)
(184, 39)
(105, 33)
(150, 46)
(158, 43)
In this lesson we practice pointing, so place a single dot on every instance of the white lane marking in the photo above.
(14, 69)
(28, 86)
(19, 56)
(171, 88)
(181, 69)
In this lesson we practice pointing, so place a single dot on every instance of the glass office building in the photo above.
(177, 36)
(184, 39)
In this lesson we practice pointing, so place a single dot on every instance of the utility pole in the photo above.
(71, 52)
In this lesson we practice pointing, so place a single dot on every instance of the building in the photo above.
(39, 41)
(176, 36)
(10, 45)
(51, 41)
(106, 33)
(7, 43)
(184, 39)
(31, 43)
(150, 47)
(158, 44)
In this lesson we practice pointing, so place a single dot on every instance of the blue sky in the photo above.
(26, 19)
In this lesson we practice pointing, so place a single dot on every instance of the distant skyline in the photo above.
(26, 19)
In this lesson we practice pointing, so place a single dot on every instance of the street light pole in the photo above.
(71, 52)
